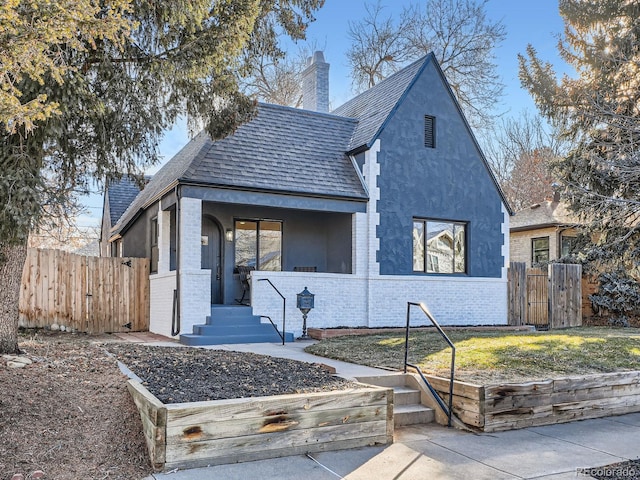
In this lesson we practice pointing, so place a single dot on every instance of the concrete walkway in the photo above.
(554, 452)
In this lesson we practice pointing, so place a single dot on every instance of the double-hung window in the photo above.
(539, 250)
(153, 236)
(258, 244)
(439, 246)
(567, 244)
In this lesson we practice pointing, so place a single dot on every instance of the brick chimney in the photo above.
(315, 84)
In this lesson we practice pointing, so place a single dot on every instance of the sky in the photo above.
(535, 22)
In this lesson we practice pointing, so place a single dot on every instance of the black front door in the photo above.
(211, 256)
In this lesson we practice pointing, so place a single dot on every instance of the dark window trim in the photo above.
(257, 221)
(425, 220)
(533, 250)
(572, 239)
(430, 131)
(153, 243)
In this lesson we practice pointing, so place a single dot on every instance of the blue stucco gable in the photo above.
(449, 182)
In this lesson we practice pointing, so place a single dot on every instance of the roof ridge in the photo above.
(302, 111)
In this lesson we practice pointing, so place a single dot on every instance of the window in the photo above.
(540, 250)
(116, 248)
(153, 240)
(439, 247)
(567, 244)
(429, 131)
(258, 244)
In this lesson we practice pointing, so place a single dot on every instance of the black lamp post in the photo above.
(305, 304)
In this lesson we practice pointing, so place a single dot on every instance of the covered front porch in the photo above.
(205, 244)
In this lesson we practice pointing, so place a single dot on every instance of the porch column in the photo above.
(195, 283)
(164, 241)
(163, 282)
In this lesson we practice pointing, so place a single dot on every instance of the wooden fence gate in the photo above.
(537, 297)
(84, 294)
(552, 298)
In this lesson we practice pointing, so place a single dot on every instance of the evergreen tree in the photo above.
(111, 82)
(598, 111)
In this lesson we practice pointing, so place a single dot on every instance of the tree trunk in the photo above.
(12, 258)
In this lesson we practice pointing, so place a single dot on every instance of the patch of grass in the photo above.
(495, 356)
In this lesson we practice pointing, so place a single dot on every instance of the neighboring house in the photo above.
(542, 233)
(119, 194)
(385, 200)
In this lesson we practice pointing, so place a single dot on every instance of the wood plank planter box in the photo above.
(512, 406)
(188, 435)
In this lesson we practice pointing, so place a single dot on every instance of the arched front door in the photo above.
(211, 256)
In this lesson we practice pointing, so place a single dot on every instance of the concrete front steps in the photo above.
(408, 408)
(232, 324)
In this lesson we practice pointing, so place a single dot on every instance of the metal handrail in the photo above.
(281, 335)
(446, 409)
(284, 309)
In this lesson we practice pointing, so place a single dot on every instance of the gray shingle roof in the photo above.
(373, 107)
(282, 149)
(121, 193)
(164, 179)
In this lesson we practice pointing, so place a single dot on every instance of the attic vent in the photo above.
(429, 131)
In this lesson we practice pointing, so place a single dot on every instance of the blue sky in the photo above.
(526, 21)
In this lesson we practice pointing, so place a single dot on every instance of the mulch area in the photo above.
(178, 375)
(68, 415)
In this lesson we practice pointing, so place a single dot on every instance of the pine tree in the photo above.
(598, 111)
(110, 84)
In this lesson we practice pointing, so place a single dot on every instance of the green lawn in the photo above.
(496, 356)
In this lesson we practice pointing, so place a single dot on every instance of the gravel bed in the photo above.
(629, 470)
(183, 374)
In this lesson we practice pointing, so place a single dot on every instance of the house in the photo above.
(385, 200)
(543, 232)
(118, 195)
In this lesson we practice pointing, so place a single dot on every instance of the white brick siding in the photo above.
(190, 234)
(164, 229)
(195, 284)
(195, 299)
(161, 287)
(354, 301)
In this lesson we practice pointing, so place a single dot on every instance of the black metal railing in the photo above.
(447, 409)
(284, 311)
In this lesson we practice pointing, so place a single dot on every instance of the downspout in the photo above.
(175, 318)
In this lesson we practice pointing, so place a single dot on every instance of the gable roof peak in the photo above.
(374, 106)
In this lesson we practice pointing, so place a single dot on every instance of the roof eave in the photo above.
(155, 198)
(539, 226)
(195, 183)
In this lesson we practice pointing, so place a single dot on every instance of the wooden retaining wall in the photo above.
(513, 406)
(197, 434)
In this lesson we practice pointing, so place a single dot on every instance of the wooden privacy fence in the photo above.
(84, 294)
(552, 298)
